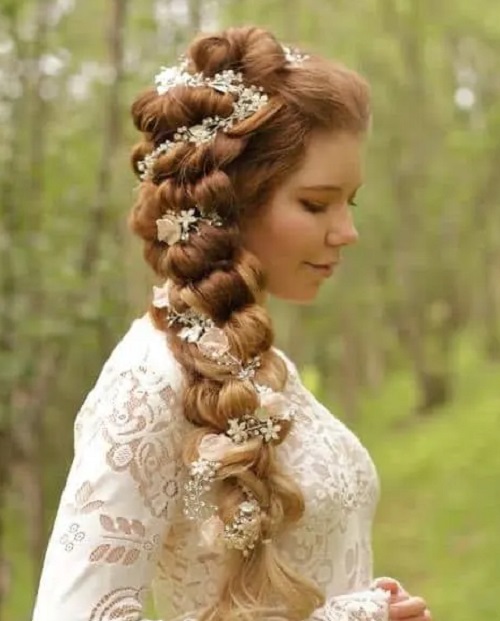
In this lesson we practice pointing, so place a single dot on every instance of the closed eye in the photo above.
(313, 207)
(321, 208)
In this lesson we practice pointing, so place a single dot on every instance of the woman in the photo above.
(203, 468)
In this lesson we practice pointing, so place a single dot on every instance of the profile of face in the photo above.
(299, 235)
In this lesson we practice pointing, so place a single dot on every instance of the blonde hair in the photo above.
(213, 274)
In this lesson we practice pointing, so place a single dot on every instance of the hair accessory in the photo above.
(241, 429)
(294, 56)
(175, 227)
(210, 339)
(249, 100)
(202, 475)
(213, 343)
(194, 324)
(244, 529)
(264, 422)
(241, 532)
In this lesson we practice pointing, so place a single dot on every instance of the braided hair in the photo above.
(211, 274)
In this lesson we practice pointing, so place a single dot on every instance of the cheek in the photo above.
(289, 234)
(285, 235)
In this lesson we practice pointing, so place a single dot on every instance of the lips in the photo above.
(324, 268)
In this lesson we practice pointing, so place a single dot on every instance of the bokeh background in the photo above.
(403, 344)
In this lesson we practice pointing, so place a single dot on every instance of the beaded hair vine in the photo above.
(249, 100)
(243, 531)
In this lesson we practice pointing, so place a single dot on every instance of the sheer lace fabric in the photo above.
(119, 531)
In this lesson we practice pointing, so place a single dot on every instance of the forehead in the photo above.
(332, 159)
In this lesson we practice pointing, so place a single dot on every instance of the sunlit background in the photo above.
(403, 344)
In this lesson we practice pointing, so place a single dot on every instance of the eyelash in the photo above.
(315, 208)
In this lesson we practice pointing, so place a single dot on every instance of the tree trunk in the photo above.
(195, 8)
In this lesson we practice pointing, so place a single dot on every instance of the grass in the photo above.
(439, 516)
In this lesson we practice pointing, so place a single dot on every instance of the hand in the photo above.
(401, 604)
(395, 588)
(410, 609)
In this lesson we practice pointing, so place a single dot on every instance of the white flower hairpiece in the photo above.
(294, 56)
(213, 343)
(174, 227)
(209, 338)
(249, 100)
(241, 532)
(265, 421)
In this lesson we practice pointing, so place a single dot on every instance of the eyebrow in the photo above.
(327, 188)
(335, 188)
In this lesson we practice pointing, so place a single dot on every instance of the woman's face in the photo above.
(299, 235)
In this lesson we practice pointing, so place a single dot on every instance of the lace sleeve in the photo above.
(121, 495)
(370, 605)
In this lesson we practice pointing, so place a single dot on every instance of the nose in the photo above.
(342, 231)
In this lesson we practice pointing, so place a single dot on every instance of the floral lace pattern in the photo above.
(120, 531)
(361, 606)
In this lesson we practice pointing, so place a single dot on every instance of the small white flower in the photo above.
(293, 56)
(174, 76)
(237, 430)
(270, 431)
(191, 334)
(199, 134)
(248, 371)
(186, 218)
(247, 506)
(200, 468)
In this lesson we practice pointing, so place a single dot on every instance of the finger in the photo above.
(388, 584)
(425, 617)
(399, 597)
(412, 607)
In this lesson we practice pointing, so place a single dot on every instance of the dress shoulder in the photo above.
(123, 492)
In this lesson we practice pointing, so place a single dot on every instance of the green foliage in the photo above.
(436, 528)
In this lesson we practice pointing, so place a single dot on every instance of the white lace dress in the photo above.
(120, 530)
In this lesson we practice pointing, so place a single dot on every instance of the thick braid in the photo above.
(212, 276)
